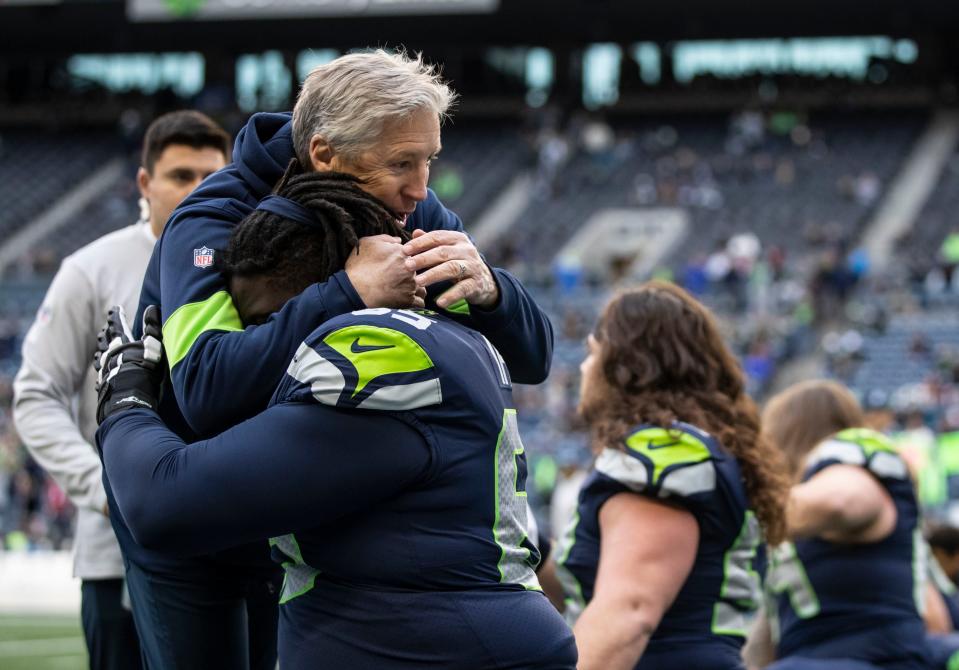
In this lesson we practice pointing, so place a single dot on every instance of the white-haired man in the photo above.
(375, 115)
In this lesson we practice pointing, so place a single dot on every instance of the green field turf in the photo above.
(41, 642)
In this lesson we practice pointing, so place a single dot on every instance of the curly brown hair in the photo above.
(661, 359)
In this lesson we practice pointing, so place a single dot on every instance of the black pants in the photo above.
(108, 627)
(227, 624)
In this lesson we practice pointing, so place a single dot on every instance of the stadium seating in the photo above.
(919, 248)
(19, 301)
(784, 188)
(115, 208)
(484, 157)
(38, 167)
(907, 352)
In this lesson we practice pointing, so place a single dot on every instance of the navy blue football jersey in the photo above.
(460, 535)
(449, 382)
(707, 623)
(389, 472)
(854, 601)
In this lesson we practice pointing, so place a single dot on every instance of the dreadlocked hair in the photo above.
(294, 255)
(661, 359)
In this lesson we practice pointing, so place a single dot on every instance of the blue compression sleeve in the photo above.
(292, 467)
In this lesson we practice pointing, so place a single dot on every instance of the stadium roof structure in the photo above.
(51, 27)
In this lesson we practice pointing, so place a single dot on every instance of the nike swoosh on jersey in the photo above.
(651, 446)
(358, 348)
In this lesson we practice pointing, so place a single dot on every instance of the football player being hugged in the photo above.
(657, 565)
(387, 469)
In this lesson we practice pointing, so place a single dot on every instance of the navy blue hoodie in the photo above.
(223, 374)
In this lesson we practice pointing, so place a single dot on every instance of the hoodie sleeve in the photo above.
(516, 326)
(222, 373)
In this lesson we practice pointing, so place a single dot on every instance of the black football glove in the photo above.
(129, 371)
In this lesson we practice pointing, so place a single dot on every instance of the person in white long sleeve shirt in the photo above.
(54, 398)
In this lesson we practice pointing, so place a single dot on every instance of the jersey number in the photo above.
(787, 574)
(741, 590)
(414, 319)
(518, 556)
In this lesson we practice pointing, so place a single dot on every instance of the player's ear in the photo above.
(143, 182)
(321, 153)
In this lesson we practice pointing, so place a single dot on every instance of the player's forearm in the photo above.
(935, 613)
(194, 499)
(612, 634)
(140, 457)
(246, 484)
(222, 372)
(805, 515)
(814, 511)
(552, 587)
(759, 651)
(227, 377)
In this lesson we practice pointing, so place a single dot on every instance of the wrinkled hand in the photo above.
(383, 274)
(448, 255)
(129, 371)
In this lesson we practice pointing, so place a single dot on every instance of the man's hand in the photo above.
(129, 371)
(383, 274)
(450, 255)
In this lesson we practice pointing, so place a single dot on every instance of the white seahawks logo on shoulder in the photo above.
(368, 366)
(863, 447)
(671, 461)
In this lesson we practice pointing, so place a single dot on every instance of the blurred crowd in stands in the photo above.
(777, 205)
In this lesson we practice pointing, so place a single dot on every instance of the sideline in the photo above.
(50, 646)
(39, 582)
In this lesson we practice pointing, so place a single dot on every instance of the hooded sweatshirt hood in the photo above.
(262, 151)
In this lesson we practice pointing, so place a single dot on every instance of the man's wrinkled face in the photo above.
(397, 169)
(177, 171)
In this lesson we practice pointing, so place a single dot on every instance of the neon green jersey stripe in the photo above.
(190, 321)
(459, 307)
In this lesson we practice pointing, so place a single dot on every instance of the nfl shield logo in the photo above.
(203, 257)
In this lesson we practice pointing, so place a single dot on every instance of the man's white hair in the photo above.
(348, 100)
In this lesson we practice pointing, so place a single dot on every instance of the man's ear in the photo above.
(321, 154)
(143, 182)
